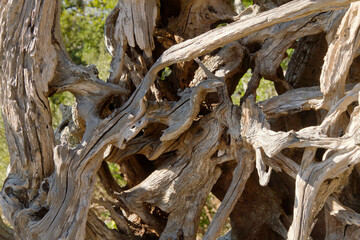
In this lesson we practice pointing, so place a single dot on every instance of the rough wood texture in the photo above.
(339, 57)
(178, 140)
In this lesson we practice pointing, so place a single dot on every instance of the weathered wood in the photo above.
(134, 24)
(40, 196)
(195, 166)
(343, 213)
(173, 148)
(275, 41)
(339, 57)
(96, 229)
(310, 174)
(240, 176)
(299, 100)
(6, 233)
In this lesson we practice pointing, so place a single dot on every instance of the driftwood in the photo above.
(180, 139)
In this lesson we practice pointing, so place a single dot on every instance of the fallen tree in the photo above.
(176, 140)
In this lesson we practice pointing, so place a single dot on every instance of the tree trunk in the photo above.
(179, 138)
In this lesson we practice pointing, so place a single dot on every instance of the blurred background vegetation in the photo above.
(82, 23)
(4, 153)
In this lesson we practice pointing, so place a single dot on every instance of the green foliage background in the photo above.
(82, 26)
(4, 153)
(247, 3)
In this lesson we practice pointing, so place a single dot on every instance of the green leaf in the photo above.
(284, 64)
(265, 90)
(165, 73)
(247, 3)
